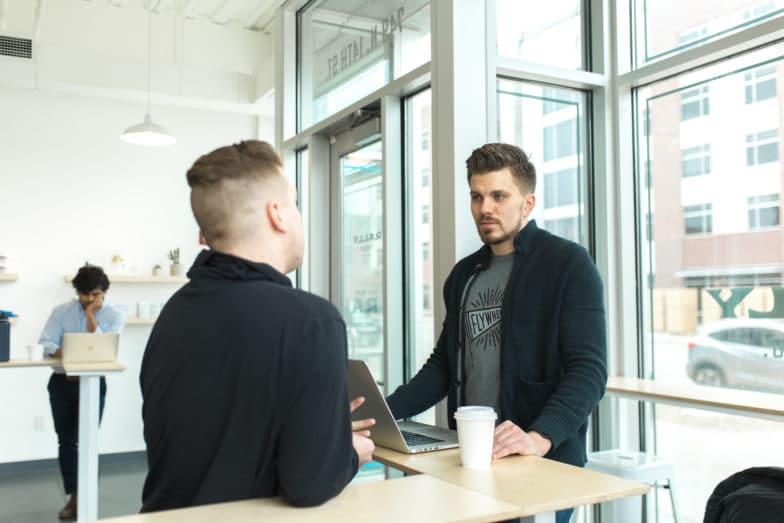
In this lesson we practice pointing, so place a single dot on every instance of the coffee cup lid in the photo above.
(471, 412)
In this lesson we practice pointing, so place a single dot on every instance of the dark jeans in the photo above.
(64, 399)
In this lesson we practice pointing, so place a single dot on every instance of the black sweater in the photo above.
(244, 388)
(553, 343)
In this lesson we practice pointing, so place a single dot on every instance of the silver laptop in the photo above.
(407, 436)
(90, 347)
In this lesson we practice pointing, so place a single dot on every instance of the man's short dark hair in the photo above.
(222, 182)
(89, 278)
(496, 156)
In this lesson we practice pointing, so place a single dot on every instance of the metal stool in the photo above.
(639, 466)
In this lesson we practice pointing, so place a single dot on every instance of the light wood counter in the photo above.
(536, 485)
(729, 401)
(46, 362)
(415, 498)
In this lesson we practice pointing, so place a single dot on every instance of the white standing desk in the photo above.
(89, 416)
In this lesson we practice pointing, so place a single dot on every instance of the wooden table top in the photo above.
(414, 498)
(742, 402)
(534, 484)
(46, 362)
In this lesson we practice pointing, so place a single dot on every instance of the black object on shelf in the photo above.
(5, 338)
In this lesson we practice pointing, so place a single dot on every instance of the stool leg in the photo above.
(674, 500)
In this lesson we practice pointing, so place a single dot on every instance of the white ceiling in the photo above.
(250, 14)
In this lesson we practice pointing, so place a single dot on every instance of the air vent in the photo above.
(16, 47)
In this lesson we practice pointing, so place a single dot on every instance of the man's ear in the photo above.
(275, 217)
(528, 204)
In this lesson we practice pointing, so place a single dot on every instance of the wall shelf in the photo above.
(135, 320)
(8, 276)
(139, 278)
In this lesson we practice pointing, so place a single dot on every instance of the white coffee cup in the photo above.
(155, 309)
(35, 352)
(475, 429)
(143, 309)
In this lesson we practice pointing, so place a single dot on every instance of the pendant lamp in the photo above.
(148, 132)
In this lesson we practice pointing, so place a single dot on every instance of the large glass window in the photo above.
(713, 240)
(548, 123)
(660, 34)
(419, 237)
(349, 48)
(553, 35)
(362, 267)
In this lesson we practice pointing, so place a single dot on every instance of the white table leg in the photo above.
(87, 501)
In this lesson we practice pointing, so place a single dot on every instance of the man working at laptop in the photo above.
(87, 313)
(244, 377)
(524, 331)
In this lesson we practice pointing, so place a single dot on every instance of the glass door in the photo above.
(358, 246)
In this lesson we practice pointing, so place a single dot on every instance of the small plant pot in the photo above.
(175, 269)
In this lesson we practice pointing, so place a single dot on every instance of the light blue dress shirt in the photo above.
(70, 317)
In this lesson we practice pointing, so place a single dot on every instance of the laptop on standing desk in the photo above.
(408, 437)
(86, 350)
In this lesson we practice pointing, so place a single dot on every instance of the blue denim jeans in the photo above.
(64, 400)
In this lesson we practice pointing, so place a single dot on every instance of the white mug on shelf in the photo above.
(143, 309)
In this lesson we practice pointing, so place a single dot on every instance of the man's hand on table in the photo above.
(511, 439)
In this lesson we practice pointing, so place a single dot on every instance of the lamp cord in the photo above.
(149, 51)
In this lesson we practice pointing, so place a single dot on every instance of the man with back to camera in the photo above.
(524, 331)
(87, 313)
(244, 378)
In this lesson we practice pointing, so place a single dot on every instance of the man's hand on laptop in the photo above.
(511, 439)
(360, 426)
(363, 445)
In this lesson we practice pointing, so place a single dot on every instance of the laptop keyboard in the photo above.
(413, 439)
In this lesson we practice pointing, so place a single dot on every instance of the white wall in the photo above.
(70, 191)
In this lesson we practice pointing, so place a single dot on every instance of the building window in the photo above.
(695, 103)
(425, 177)
(425, 214)
(762, 147)
(696, 161)
(692, 35)
(560, 140)
(560, 188)
(761, 84)
(758, 11)
(763, 211)
(555, 99)
(698, 218)
(425, 141)
(426, 300)
(564, 227)
(425, 251)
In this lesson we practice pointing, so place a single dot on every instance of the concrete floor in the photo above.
(33, 493)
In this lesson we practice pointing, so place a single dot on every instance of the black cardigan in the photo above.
(244, 388)
(553, 343)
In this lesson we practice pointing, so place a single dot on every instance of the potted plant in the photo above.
(174, 256)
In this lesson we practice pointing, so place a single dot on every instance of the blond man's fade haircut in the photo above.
(229, 188)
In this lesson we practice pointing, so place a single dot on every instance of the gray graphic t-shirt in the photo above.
(482, 322)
